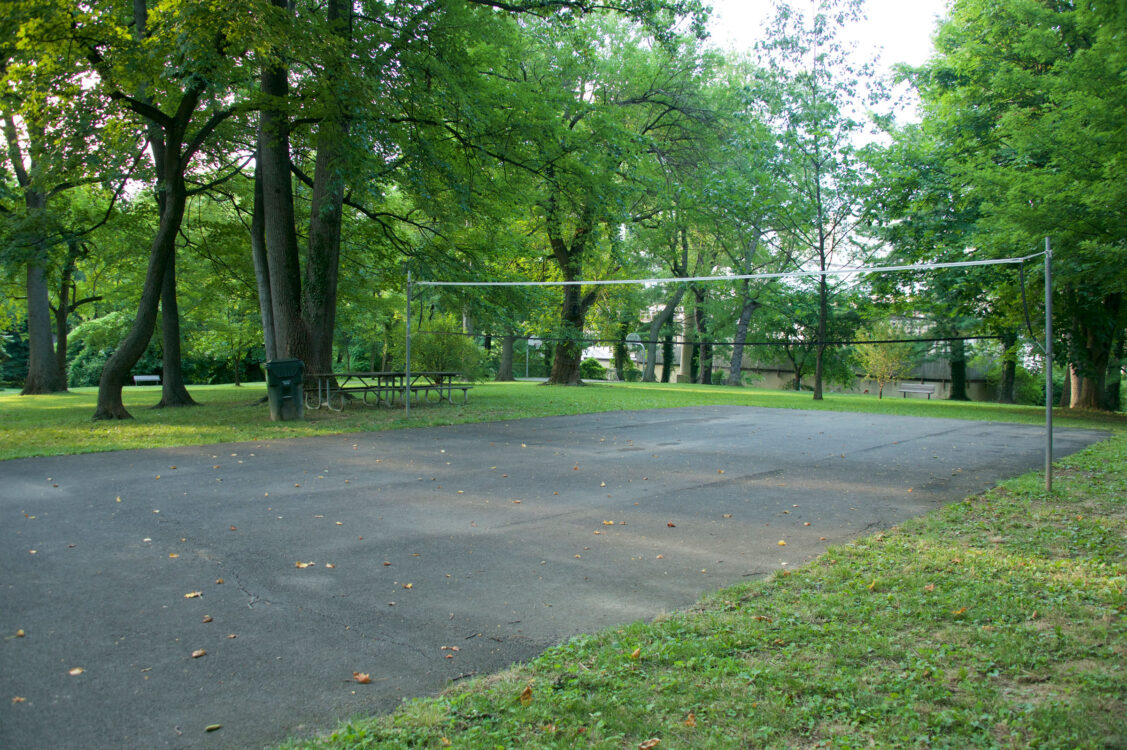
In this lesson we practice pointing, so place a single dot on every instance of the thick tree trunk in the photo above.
(173, 390)
(116, 371)
(261, 267)
(505, 370)
(43, 373)
(569, 353)
(290, 331)
(322, 267)
(659, 322)
(1097, 335)
(573, 312)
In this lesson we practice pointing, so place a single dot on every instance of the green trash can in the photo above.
(284, 389)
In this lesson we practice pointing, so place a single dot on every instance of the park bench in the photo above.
(141, 379)
(907, 388)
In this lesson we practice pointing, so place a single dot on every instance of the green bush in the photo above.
(447, 351)
(590, 369)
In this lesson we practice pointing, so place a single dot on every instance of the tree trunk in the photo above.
(116, 371)
(1097, 334)
(167, 143)
(1066, 388)
(569, 353)
(659, 321)
(703, 348)
(1112, 398)
(43, 373)
(685, 371)
(573, 313)
(505, 370)
(283, 262)
(823, 318)
(322, 266)
(667, 358)
(173, 390)
(958, 360)
(1006, 389)
(735, 369)
(67, 304)
(620, 352)
(261, 266)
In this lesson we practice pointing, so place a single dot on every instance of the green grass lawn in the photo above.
(62, 424)
(998, 621)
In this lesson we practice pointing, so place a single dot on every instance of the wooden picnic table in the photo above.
(332, 389)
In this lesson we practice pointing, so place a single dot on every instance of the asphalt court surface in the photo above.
(295, 563)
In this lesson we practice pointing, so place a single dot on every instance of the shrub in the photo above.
(590, 369)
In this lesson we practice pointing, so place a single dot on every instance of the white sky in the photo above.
(900, 30)
(894, 31)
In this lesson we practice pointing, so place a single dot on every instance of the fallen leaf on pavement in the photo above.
(782, 543)
(671, 525)
(198, 653)
(193, 595)
(213, 727)
(19, 699)
(207, 618)
(75, 671)
(362, 677)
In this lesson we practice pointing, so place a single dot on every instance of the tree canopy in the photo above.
(254, 180)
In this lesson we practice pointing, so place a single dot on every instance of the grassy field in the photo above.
(62, 424)
(998, 621)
